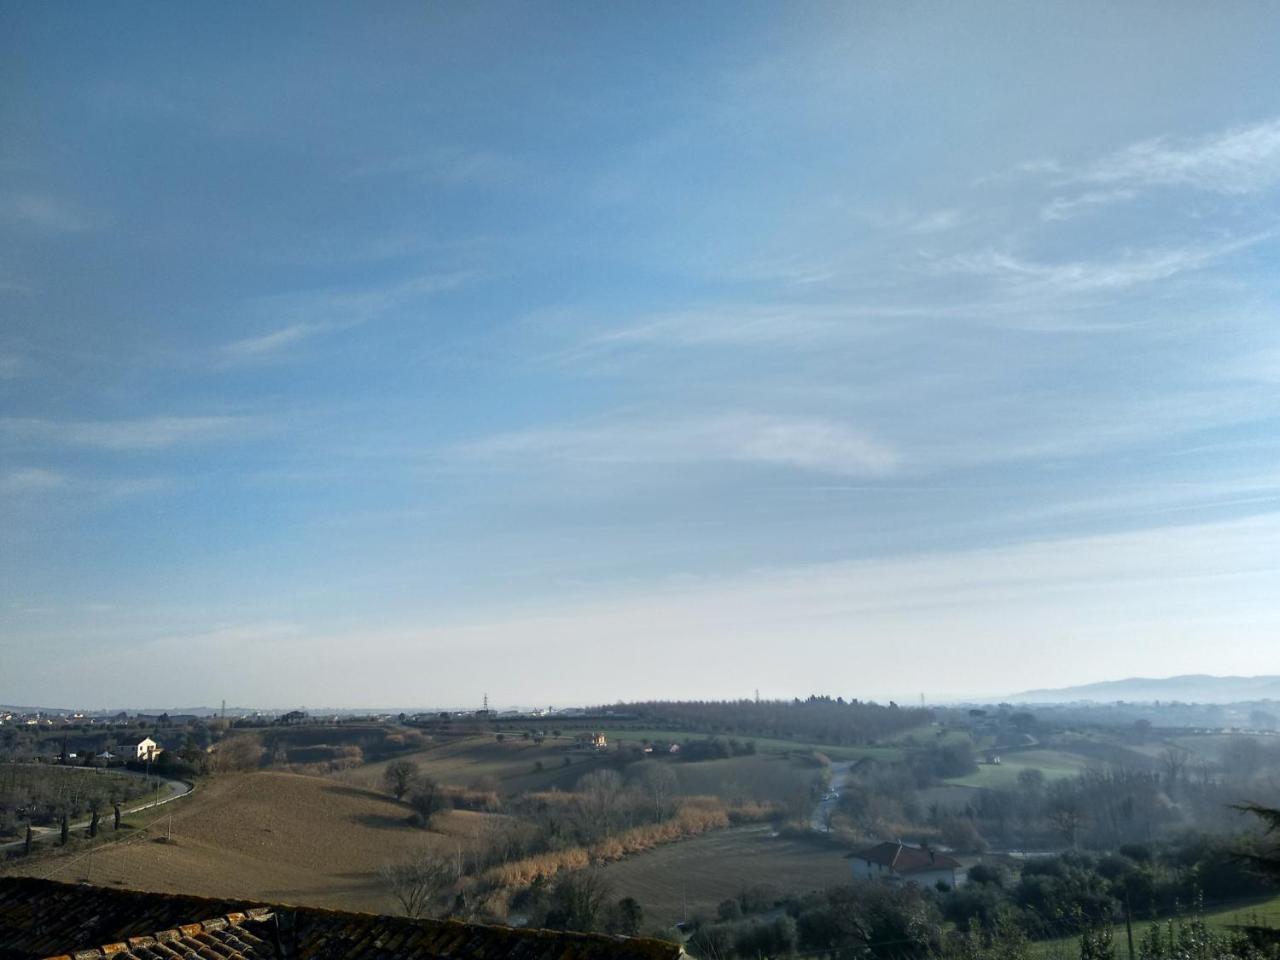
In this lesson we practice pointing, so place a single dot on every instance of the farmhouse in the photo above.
(593, 740)
(44, 918)
(898, 862)
(144, 749)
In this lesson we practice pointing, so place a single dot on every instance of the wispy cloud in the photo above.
(48, 214)
(1064, 208)
(1126, 270)
(30, 480)
(314, 312)
(12, 366)
(812, 444)
(1236, 161)
(269, 344)
(445, 165)
(149, 433)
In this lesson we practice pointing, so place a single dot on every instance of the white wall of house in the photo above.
(866, 870)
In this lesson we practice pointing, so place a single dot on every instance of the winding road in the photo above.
(821, 813)
(177, 789)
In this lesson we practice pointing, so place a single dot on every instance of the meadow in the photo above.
(1054, 764)
(696, 875)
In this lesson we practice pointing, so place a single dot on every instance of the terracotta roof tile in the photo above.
(39, 918)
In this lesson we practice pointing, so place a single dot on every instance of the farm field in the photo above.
(271, 836)
(763, 744)
(715, 867)
(762, 777)
(512, 763)
(1054, 764)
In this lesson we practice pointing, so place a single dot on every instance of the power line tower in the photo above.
(486, 703)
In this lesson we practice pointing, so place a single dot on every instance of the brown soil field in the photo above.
(278, 837)
(715, 867)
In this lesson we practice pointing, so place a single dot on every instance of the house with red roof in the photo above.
(897, 862)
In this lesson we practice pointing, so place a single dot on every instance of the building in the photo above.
(897, 862)
(593, 741)
(44, 918)
(144, 749)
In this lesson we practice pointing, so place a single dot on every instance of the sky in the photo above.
(396, 354)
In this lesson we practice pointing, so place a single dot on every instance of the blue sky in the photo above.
(397, 354)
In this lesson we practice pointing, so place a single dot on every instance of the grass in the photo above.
(1054, 764)
(1265, 912)
(764, 777)
(512, 763)
(706, 870)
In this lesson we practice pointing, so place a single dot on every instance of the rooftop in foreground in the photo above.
(45, 919)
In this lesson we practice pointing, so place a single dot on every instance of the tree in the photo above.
(427, 801)
(578, 901)
(418, 882)
(399, 777)
(116, 825)
(599, 793)
(1267, 861)
(625, 917)
(93, 824)
(65, 833)
(659, 783)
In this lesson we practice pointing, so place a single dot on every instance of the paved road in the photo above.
(824, 809)
(177, 788)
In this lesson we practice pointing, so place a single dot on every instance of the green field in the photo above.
(510, 766)
(1054, 764)
(1259, 912)
(763, 744)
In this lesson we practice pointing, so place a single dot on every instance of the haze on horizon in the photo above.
(582, 353)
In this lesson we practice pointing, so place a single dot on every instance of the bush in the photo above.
(427, 801)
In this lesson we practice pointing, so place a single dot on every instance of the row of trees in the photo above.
(818, 719)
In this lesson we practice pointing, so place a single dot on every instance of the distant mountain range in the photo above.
(1191, 688)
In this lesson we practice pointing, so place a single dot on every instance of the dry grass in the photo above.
(716, 866)
(467, 760)
(269, 836)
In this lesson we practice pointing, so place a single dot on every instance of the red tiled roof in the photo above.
(45, 919)
(903, 859)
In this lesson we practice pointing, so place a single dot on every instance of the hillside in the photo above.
(1191, 688)
(271, 836)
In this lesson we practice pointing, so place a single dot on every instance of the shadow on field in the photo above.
(380, 821)
(357, 792)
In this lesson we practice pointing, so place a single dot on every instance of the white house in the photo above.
(900, 863)
(144, 749)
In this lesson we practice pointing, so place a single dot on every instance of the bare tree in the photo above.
(599, 793)
(418, 882)
(1174, 761)
(660, 785)
(399, 777)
